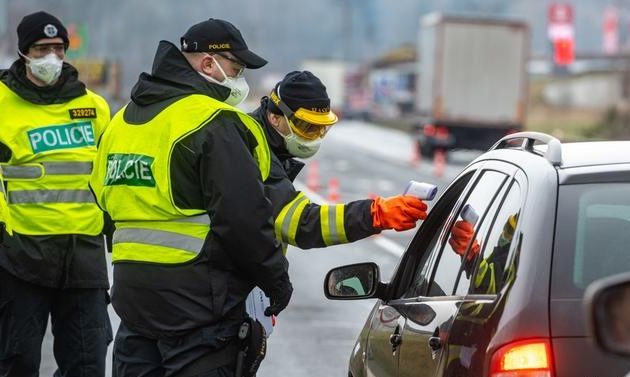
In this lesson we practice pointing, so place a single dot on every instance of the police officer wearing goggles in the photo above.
(54, 263)
(296, 116)
(180, 172)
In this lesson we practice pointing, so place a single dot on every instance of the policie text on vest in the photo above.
(64, 136)
(129, 169)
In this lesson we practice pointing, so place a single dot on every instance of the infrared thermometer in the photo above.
(469, 214)
(421, 190)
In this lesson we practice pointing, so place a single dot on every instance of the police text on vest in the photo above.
(64, 136)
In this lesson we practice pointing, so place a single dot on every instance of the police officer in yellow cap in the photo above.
(296, 117)
(180, 172)
(54, 264)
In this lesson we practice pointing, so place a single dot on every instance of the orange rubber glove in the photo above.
(397, 212)
(461, 234)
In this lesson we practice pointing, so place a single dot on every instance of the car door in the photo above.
(430, 302)
(488, 277)
(381, 357)
(385, 324)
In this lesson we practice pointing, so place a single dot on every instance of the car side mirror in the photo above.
(352, 282)
(607, 303)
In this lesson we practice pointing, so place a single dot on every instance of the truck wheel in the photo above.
(427, 151)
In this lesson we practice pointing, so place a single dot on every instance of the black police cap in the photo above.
(214, 35)
(301, 89)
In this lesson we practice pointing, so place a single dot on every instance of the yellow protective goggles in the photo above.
(308, 124)
(306, 130)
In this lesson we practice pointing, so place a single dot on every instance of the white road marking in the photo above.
(390, 246)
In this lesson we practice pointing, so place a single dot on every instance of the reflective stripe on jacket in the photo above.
(52, 150)
(331, 217)
(132, 181)
(5, 215)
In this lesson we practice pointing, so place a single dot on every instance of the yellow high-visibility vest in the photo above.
(131, 181)
(52, 148)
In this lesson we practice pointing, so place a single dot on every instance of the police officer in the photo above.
(296, 116)
(54, 264)
(180, 172)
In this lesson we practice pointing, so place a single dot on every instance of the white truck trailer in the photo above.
(472, 80)
(332, 73)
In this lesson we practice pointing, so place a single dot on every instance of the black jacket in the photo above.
(212, 168)
(280, 190)
(60, 261)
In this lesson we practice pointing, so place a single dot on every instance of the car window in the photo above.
(592, 236)
(481, 197)
(420, 250)
(443, 282)
(495, 237)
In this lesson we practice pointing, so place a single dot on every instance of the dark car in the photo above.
(550, 219)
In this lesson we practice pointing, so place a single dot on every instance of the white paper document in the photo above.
(256, 303)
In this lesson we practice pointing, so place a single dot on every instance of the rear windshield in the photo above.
(592, 236)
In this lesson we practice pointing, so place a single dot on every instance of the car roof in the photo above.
(595, 153)
(588, 162)
(583, 162)
(566, 155)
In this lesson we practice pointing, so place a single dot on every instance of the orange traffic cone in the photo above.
(312, 177)
(333, 190)
(439, 162)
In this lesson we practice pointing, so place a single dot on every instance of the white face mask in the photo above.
(47, 69)
(239, 89)
(298, 146)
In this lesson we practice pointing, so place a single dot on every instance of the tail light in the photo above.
(530, 358)
(442, 133)
(429, 130)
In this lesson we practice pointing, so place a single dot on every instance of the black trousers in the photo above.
(80, 325)
(198, 354)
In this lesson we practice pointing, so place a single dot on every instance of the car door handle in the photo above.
(395, 339)
(435, 343)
